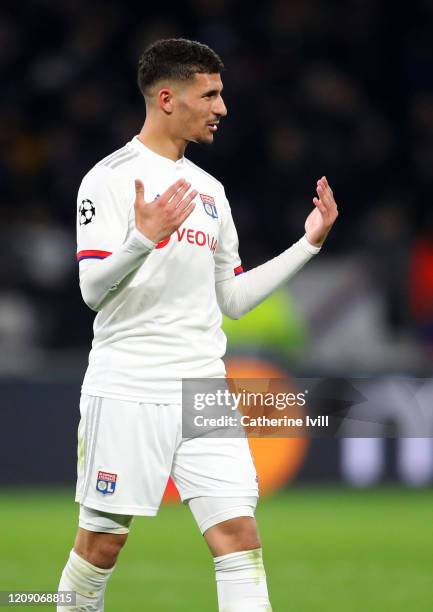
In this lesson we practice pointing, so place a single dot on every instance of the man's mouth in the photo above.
(213, 126)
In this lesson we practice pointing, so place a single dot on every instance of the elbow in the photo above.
(91, 304)
(232, 309)
(93, 297)
(231, 299)
(90, 300)
(234, 316)
(233, 312)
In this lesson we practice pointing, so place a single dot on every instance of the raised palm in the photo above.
(323, 216)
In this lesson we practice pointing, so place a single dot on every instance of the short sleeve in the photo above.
(227, 260)
(102, 214)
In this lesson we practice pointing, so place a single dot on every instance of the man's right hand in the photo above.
(159, 219)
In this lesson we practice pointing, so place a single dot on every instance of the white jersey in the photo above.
(163, 323)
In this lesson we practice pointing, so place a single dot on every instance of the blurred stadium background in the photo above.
(313, 87)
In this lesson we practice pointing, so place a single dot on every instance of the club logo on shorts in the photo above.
(106, 483)
(209, 205)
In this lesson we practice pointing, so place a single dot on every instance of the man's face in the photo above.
(198, 107)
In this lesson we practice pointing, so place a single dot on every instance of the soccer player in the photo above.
(159, 263)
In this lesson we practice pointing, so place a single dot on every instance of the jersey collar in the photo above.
(139, 146)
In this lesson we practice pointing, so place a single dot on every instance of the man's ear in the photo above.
(165, 99)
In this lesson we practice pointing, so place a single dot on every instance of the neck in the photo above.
(160, 142)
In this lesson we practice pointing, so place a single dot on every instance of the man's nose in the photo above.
(220, 108)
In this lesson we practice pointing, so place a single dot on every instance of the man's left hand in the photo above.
(322, 218)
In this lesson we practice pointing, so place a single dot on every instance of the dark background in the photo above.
(312, 88)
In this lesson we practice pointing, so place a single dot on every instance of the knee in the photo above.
(234, 535)
(243, 532)
(108, 550)
(101, 536)
(99, 549)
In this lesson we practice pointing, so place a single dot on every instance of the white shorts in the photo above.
(128, 450)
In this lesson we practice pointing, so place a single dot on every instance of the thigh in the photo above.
(214, 467)
(104, 522)
(210, 511)
(125, 452)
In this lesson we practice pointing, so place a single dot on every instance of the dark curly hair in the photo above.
(175, 58)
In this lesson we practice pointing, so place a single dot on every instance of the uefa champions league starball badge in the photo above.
(86, 212)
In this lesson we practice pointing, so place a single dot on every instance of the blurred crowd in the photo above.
(313, 87)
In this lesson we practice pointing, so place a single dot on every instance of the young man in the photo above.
(159, 262)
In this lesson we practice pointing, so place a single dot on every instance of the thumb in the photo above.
(139, 189)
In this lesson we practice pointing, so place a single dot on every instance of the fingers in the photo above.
(323, 182)
(320, 205)
(326, 197)
(180, 194)
(186, 206)
(181, 200)
(139, 189)
(173, 195)
(188, 199)
(172, 190)
(171, 208)
(187, 211)
(323, 190)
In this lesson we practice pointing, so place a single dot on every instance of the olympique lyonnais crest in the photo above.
(106, 483)
(209, 205)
